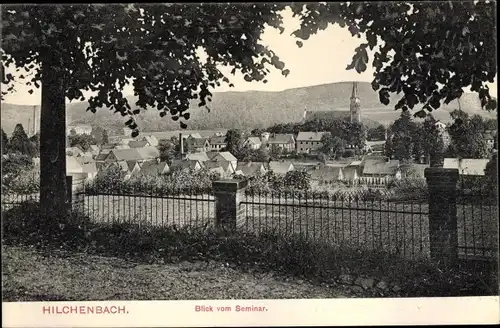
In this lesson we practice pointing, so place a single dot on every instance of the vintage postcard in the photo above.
(249, 164)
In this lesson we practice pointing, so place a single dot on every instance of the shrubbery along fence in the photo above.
(451, 218)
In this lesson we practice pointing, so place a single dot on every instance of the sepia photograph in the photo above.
(248, 161)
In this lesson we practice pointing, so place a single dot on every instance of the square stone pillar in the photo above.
(74, 193)
(228, 197)
(443, 234)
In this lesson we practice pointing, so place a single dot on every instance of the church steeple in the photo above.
(355, 107)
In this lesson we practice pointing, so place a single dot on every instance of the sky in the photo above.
(322, 59)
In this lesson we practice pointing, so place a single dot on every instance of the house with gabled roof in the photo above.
(131, 154)
(211, 154)
(225, 168)
(88, 170)
(152, 140)
(467, 166)
(381, 168)
(253, 142)
(325, 173)
(251, 169)
(84, 159)
(308, 142)
(130, 168)
(94, 149)
(119, 146)
(125, 141)
(149, 153)
(217, 143)
(352, 173)
(138, 144)
(154, 168)
(201, 156)
(198, 144)
(225, 156)
(185, 165)
(108, 146)
(280, 167)
(103, 154)
(195, 135)
(285, 142)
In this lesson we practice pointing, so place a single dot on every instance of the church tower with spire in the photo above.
(355, 107)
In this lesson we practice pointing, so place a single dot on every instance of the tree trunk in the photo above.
(53, 195)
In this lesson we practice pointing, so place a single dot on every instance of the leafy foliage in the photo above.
(430, 139)
(401, 136)
(332, 145)
(168, 150)
(417, 46)
(377, 133)
(100, 135)
(15, 162)
(17, 171)
(110, 179)
(297, 180)
(154, 45)
(491, 174)
(5, 142)
(20, 143)
(234, 140)
(84, 141)
(246, 154)
(26, 182)
(35, 143)
(467, 139)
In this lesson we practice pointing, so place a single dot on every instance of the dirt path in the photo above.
(29, 275)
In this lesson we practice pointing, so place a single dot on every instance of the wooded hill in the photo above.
(250, 109)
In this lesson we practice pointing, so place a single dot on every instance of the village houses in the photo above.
(281, 167)
(308, 142)
(217, 143)
(284, 142)
(253, 143)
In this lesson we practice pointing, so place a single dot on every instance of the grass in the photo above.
(31, 275)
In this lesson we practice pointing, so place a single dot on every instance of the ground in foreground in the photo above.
(30, 275)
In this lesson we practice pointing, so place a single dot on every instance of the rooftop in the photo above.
(310, 136)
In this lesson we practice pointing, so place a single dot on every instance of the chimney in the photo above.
(158, 160)
(181, 140)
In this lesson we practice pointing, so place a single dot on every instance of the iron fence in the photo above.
(400, 227)
(477, 214)
(152, 207)
(10, 200)
(395, 224)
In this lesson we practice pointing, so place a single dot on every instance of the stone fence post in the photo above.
(74, 190)
(228, 197)
(443, 232)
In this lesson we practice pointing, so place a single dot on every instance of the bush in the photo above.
(297, 180)
(409, 189)
(27, 182)
(108, 180)
(25, 225)
(349, 153)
